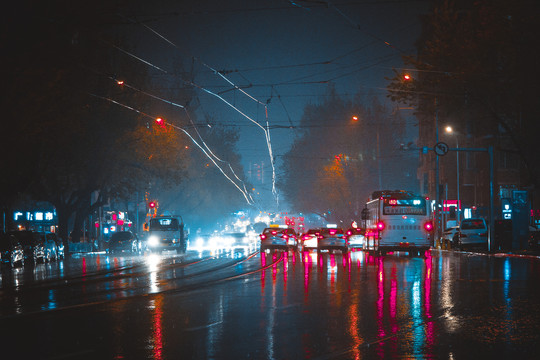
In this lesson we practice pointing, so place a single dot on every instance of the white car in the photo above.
(472, 233)
(278, 238)
(333, 239)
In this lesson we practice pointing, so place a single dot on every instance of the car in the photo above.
(333, 238)
(534, 237)
(472, 233)
(238, 240)
(310, 238)
(355, 237)
(124, 241)
(278, 238)
(11, 251)
(32, 244)
(292, 241)
(448, 239)
(50, 245)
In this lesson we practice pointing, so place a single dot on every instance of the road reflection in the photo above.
(402, 300)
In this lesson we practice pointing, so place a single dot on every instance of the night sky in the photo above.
(284, 54)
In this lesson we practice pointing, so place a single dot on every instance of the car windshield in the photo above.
(472, 224)
(165, 224)
(122, 236)
(332, 232)
(272, 231)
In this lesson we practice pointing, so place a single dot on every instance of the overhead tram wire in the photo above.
(190, 119)
(266, 130)
(172, 103)
(246, 195)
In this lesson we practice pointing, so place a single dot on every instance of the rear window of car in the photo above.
(472, 224)
(122, 236)
(332, 231)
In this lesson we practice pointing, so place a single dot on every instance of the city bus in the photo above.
(397, 220)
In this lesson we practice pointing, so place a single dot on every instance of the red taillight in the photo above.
(274, 232)
(285, 236)
(380, 226)
(349, 233)
(332, 232)
(263, 236)
(428, 226)
(306, 237)
(392, 202)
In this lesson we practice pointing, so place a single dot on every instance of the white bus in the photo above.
(397, 220)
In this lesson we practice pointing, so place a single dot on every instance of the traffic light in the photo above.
(151, 204)
(160, 122)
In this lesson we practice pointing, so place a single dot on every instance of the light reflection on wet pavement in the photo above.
(302, 305)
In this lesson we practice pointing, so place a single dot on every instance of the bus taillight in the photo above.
(428, 226)
(380, 226)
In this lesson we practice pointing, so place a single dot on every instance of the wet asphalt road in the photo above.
(278, 305)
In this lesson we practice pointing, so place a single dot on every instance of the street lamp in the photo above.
(449, 130)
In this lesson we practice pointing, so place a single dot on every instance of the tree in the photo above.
(206, 196)
(77, 138)
(475, 64)
(337, 162)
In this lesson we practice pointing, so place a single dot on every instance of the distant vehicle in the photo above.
(50, 246)
(472, 233)
(534, 237)
(32, 244)
(292, 241)
(333, 238)
(11, 251)
(355, 236)
(234, 240)
(310, 239)
(166, 233)
(398, 220)
(124, 241)
(278, 238)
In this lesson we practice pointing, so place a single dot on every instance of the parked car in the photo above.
(34, 249)
(472, 233)
(278, 238)
(534, 237)
(11, 250)
(124, 241)
(310, 238)
(50, 245)
(333, 239)
(355, 237)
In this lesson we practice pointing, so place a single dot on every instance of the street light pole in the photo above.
(437, 193)
(458, 212)
(458, 205)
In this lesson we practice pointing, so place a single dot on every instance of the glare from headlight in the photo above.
(153, 240)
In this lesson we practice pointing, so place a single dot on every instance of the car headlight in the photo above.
(153, 240)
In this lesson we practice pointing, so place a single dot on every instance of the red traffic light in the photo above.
(406, 77)
(160, 122)
(151, 204)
